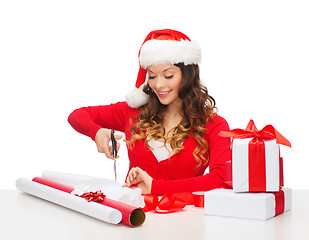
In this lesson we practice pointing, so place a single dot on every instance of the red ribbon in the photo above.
(268, 132)
(280, 202)
(97, 196)
(168, 203)
(198, 200)
(172, 202)
(256, 165)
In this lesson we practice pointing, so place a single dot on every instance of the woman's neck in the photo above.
(174, 109)
(172, 116)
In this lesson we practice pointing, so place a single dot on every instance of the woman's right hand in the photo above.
(102, 139)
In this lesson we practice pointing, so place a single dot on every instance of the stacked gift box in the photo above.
(255, 175)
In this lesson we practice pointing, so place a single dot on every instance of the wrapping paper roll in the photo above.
(62, 198)
(69, 179)
(111, 189)
(131, 215)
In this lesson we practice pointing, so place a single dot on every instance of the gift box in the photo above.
(256, 162)
(260, 206)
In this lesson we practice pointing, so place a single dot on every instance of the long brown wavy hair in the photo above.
(198, 108)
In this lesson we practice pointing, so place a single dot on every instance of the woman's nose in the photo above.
(160, 82)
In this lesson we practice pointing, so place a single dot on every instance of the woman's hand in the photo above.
(102, 139)
(140, 178)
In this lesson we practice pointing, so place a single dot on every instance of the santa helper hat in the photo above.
(161, 47)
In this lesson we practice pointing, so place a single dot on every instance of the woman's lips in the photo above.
(163, 94)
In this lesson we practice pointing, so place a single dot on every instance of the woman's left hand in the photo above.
(141, 178)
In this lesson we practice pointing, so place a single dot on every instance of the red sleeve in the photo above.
(219, 153)
(88, 120)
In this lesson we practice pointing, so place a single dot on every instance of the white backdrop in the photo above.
(56, 56)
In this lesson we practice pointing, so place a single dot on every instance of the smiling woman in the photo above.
(172, 107)
(165, 80)
(176, 105)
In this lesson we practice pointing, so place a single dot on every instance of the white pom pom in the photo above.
(137, 98)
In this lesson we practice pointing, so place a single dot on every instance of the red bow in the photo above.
(268, 132)
(169, 203)
(97, 196)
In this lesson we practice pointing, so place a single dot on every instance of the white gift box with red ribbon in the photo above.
(258, 171)
(260, 206)
(256, 161)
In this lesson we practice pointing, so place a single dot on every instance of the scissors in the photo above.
(114, 145)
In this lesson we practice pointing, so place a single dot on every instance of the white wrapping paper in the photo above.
(261, 206)
(110, 188)
(240, 162)
(93, 209)
(69, 179)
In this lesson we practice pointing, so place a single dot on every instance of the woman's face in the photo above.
(165, 80)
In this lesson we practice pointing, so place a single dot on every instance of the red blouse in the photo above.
(179, 173)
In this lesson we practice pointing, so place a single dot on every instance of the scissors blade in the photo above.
(114, 145)
(115, 170)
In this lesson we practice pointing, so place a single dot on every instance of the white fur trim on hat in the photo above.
(137, 98)
(163, 51)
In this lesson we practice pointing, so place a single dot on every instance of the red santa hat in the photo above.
(161, 47)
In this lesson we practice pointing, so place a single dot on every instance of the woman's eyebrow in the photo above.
(147, 69)
(167, 69)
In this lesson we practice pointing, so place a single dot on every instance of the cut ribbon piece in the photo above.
(171, 202)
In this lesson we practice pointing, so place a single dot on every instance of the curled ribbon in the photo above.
(169, 203)
(268, 132)
(97, 196)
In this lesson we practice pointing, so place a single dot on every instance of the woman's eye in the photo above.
(171, 76)
(151, 77)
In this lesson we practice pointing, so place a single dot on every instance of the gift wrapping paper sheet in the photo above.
(260, 206)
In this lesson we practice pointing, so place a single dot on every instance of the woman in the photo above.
(169, 121)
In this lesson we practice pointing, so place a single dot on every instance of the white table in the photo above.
(26, 217)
